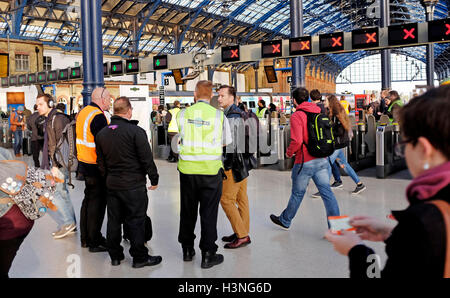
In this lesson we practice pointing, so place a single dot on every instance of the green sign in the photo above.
(114, 68)
(130, 66)
(158, 63)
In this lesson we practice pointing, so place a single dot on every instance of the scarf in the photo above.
(429, 183)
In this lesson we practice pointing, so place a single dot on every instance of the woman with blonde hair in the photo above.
(343, 133)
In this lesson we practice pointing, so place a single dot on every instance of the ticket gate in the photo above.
(160, 142)
(5, 135)
(284, 163)
(387, 161)
(268, 141)
(361, 153)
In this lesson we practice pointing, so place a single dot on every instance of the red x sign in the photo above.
(276, 48)
(448, 29)
(336, 41)
(371, 37)
(305, 45)
(234, 53)
(409, 33)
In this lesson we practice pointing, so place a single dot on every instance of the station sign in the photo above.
(160, 62)
(75, 73)
(42, 77)
(331, 42)
(365, 38)
(439, 30)
(231, 53)
(272, 49)
(5, 82)
(132, 66)
(63, 74)
(117, 68)
(404, 34)
(12, 80)
(300, 45)
(22, 80)
(31, 78)
(52, 76)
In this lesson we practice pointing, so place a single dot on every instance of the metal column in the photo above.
(385, 54)
(298, 64)
(429, 11)
(91, 38)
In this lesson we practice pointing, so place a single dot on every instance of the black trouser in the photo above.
(130, 208)
(172, 155)
(8, 251)
(36, 148)
(93, 211)
(205, 190)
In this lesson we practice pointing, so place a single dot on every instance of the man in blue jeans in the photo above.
(306, 166)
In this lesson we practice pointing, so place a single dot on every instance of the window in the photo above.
(22, 62)
(47, 63)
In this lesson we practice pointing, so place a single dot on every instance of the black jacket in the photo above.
(31, 125)
(124, 155)
(417, 246)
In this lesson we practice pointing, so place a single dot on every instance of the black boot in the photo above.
(210, 259)
(188, 253)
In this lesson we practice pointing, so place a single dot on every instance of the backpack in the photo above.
(320, 135)
(66, 149)
(40, 124)
(341, 135)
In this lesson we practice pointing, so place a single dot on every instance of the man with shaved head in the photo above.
(90, 120)
(124, 157)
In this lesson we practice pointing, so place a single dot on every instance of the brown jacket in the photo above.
(55, 125)
(14, 120)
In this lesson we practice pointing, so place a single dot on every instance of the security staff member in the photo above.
(202, 131)
(125, 158)
(345, 104)
(171, 118)
(262, 110)
(90, 120)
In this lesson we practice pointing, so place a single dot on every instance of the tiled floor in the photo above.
(299, 252)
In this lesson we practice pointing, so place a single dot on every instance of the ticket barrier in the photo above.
(160, 142)
(5, 134)
(387, 161)
(361, 154)
(284, 163)
(268, 141)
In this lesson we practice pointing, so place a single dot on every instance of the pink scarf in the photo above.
(429, 183)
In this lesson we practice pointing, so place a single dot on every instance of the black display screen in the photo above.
(75, 73)
(63, 74)
(271, 74)
(117, 68)
(160, 62)
(402, 34)
(331, 42)
(231, 54)
(365, 38)
(5, 82)
(22, 79)
(300, 45)
(52, 76)
(132, 66)
(13, 81)
(42, 77)
(31, 78)
(105, 69)
(439, 30)
(272, 48)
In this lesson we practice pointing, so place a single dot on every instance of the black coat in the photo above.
(417, 246)
(124, 155)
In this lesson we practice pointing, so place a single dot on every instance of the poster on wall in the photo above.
(141, 103)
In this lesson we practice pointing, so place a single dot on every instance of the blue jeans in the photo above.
(65, 214)
(18, 139)
(317, 169)
(339, 154)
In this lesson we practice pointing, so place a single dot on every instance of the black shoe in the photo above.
(276, 220)
(116, 262)
(230, 238)
(359, 188)
(84, 244)
(188, 253)
(100, 248)
(337, 184)
(210, 259)
(151, 261)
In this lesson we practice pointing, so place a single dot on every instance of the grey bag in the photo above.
(30, 188)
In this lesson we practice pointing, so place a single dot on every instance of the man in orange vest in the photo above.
(90, 120)
(17, 122)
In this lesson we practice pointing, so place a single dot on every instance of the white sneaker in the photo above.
(64, 231)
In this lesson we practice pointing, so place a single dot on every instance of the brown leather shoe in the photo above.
(239, 242)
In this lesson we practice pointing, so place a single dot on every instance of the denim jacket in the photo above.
(4, 208)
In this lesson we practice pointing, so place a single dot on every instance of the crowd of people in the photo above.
(115, 158)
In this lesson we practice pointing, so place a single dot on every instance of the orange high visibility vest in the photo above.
(85, 139)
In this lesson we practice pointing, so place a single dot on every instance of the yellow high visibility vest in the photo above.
(173, 127)
(346, 105)
(85, 139)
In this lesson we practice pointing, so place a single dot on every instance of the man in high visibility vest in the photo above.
(261, 111)
(345, 104)
(394, 104)
(171, 118)
(90, 120)
(203, 132)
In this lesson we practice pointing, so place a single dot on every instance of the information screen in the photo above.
(300, 45)
(75, 73)
(177, 75)
(439, 30)
(270, 74)
(31, 78)
(331, 42)
(117, 68)
(231, 54)
(12, 80)
(160, 62)
(52, 76)
(271, 49)
(132, 66)
(22, 79)
(63, 74)
(42, 77)
(402, 34)
(365, 38)
(5, 82)
(105, 69)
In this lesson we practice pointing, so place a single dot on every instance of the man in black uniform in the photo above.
(125, 158)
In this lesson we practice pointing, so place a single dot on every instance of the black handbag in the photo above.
(239, 167)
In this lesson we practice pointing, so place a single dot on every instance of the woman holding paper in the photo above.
(419, 245)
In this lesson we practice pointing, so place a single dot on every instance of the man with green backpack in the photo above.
(311, 142)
